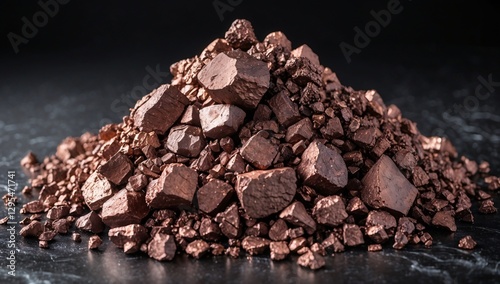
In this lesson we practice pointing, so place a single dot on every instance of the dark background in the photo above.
(79, 72)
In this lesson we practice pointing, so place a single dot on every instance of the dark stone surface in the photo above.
(37, 112)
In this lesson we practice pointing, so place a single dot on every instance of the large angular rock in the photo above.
(174, 188)
(385, 187)
(96, 190)
(236, 78)
(262, 193)
(124, 208)
(219, 121)
(118, 169)
(323, 169)
(159, 110)
(214, 196)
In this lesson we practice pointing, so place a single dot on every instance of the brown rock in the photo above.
(33, 229)
(381, 218)
(235, 78)
(133, 233)
(96, 190)
(444, 219)
(279, 231)
(322, 169)
(255, 245)
(467, 242)
(241, 35)
(286, 111)
(306, 52)
(191, 116)
(61, 226)
(297, 244)
(236, 164)
(262, 193)
(69, 148)
(197, 248)
(229, 222)
(259, 152)
(34, 206)
(333, 129)
(185, 140)
(356, 207)
(311, 260)
(138, 182)
(159, 110)
(209, 230)
(278, 39)
(385, 187)
(297, 215)
(400, 240)
(90, 222)
(162, 247)
(58, 212)
(279, 250)
(126, 207)
(330, 211)
(365, 137)
(377, 233)
(117, 169)
(301, 130)
(214, 196)
(94, 242)
(332, 243)
(487, 207)
(47, 236)
(221, 120)
(176, 187)
(353, 235)
(374, 247)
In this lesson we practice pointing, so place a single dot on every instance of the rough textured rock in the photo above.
(159, 110)
(322, 169)
(234, 77)
(262, 193)
(221, 120)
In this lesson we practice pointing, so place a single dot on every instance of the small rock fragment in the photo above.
(94, 242)
(467, 242)
(255, 245)
(197, 248)
(311, 260)
(352, 235)
(162, 247)
(330, 211)
(90, 222)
